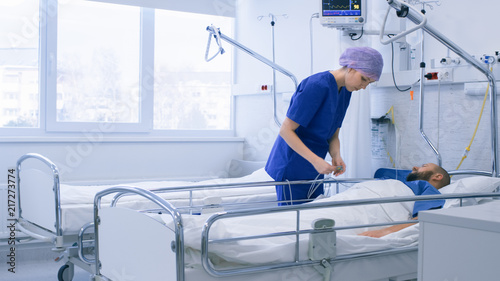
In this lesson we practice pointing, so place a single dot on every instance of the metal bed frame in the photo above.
(326, 262)
(87, 242)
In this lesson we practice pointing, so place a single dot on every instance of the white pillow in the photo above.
(241, 168)
(475, 184)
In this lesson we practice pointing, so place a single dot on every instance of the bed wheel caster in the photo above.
(66, 272)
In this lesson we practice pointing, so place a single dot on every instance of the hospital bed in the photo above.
(312, 241)
(63, 215)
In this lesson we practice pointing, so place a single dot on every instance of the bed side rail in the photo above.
(219, 186)
(205, 241)
(164, 205)
(470, 173)
(254, 184)
(56, 189)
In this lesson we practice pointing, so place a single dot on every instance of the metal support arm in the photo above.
(219, 36)
(416, 17)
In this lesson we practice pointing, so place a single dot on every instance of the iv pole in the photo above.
(404, 10)
(421, 98)
(273, 22)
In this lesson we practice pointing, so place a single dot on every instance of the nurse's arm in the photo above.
(334, 150)
(287, 132)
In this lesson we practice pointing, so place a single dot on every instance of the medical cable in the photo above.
(438, 112)
(352, 34)
(314, 186)
(391, 110)
(467, 149)
(317, 183)
(392, 68)
(290, 190)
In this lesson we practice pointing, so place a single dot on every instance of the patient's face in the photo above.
(416, 175)
(423, 172)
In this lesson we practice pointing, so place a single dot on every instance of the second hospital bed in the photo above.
(313, 241)
(61, 213)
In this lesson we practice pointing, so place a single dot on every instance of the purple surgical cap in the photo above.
(366, 60)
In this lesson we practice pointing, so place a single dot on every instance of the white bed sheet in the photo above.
(281, 249)
(77, 200)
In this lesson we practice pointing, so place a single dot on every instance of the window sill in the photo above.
(114, 139)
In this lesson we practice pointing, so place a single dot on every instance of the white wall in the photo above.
(292, 42)
(450, 115)
(95, 159)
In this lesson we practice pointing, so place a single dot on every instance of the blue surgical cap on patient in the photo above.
(366, 60)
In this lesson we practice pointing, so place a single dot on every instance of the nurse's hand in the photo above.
(323, 167)
(339, 166)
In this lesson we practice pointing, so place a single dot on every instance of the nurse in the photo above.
(313, 120)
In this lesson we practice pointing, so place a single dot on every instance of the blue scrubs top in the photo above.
(424, 188)
(319, 109)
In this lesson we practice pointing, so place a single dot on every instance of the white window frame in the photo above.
(146, 61)
(49, 126)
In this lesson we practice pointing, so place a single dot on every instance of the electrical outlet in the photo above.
(265, 88)
(431, 76)
(445, 74)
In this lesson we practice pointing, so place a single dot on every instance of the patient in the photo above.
(424, 180)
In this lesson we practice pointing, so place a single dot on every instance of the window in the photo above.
(98, 62)
(97, 76)
(136, 69)
(189, 92)
(19, 87)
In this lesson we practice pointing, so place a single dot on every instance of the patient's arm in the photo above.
(388, 230)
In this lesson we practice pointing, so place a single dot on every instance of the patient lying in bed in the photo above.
(424, 180)
(349, 241)
(282, 249)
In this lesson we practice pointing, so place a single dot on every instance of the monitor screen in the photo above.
(333, 8)
(342, 13)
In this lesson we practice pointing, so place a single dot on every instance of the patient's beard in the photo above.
(415, 176)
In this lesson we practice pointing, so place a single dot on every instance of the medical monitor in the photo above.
(343, 14)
